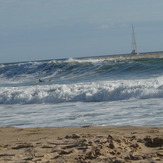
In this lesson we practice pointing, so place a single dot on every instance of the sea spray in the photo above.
(83, 92)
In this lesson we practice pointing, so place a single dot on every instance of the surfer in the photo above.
(41, 80)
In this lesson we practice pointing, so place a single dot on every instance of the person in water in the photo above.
(41, 80)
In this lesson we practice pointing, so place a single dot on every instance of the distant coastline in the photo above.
(156, 54)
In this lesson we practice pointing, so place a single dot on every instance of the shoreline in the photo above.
(82, 144)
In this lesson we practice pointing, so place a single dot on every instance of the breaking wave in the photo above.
(81, 70)
(84, 80)
(83, 92)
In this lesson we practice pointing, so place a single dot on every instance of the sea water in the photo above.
(114, 91)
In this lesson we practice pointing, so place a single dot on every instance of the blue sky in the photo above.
(53, 29)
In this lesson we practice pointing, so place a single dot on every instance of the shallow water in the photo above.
(143, 112)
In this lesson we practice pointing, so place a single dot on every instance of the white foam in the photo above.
(145, 112)
(85, 92)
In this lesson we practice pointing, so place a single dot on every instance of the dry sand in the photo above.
(83, 145)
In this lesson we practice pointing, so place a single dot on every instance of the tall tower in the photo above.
(134, 46)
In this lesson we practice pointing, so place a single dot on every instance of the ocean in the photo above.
(98, 91)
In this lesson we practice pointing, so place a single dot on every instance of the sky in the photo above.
(55, 29)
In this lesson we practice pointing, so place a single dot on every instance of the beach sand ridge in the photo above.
(81, 145)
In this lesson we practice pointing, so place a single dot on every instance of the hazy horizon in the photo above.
(42, 30)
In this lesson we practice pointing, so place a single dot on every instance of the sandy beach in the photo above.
(83, 144)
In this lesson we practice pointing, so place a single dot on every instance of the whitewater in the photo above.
(115, 91)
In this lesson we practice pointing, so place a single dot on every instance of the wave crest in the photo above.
(83, 92)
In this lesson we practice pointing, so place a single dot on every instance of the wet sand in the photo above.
(81, 145)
